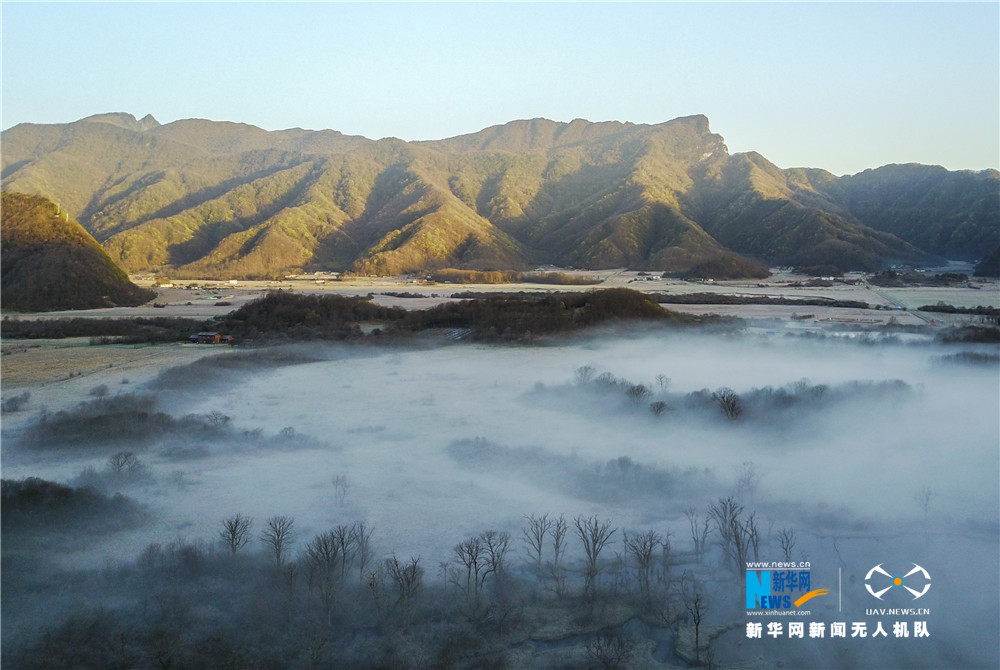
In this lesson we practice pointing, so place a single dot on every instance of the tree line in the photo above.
(489, 317)
(263, 595)
(282, 316)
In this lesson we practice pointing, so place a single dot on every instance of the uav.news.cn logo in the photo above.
(878, 575)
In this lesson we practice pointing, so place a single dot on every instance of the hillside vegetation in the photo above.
(201, 198)
(491, 317)
(50, 262)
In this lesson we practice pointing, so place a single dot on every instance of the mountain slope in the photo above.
(954, 213)
(50, 262)
(203, 198)
(752, 206)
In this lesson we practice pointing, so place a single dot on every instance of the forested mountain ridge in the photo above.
(203, 198)
(50, 262)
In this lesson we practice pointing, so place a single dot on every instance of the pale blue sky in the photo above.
(842, 86)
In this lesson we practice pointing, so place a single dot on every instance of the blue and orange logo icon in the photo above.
(775, 589)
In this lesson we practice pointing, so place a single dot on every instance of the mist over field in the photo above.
(870, 452)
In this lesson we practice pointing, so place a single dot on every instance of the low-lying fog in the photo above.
(433, 445)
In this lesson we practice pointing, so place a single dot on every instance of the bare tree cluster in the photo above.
(786, 540)
(637, 393)
(124, 461)
(217, 419)
(394, 586)
(323, 561)
(610, 650)
(658, 407)
(331, 554)
(699, 532)
(649, 554)
(390, 596)
(729, 402)
(738, 530)
(479, 558)
(534, 537)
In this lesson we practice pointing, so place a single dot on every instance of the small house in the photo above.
(207, 338)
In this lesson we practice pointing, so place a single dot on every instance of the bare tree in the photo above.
(642, 548)
(278, 535)
(361, 535)
(804, 389)
(376, 583)
(666, 560)
(637, 393)
(607, 380)
(217, 418)
(751, 532)
(340, 487)
(923, 498)
(658, 407)
(556, 571)
(344, 538)
(235, 531)
(662, 382)
(290, 574)
(408, 579)
(747, 479)
(534, 537)
(124, 461)
(408, 576)
(729, 402)
(480, 556)
(584, 374)
(696, 606)
(495, 545)
(595, 535)
(739, 532)
(610, 650)
(323, 559)
(470, 555)
(786, 540)
(559, 528)
(699, 532)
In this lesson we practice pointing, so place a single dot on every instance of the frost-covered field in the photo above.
(382, 420)
(430, 446)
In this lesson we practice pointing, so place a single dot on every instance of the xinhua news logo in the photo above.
(779, 589)
(879, 581)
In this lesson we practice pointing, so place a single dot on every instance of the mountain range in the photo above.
(197, 198)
